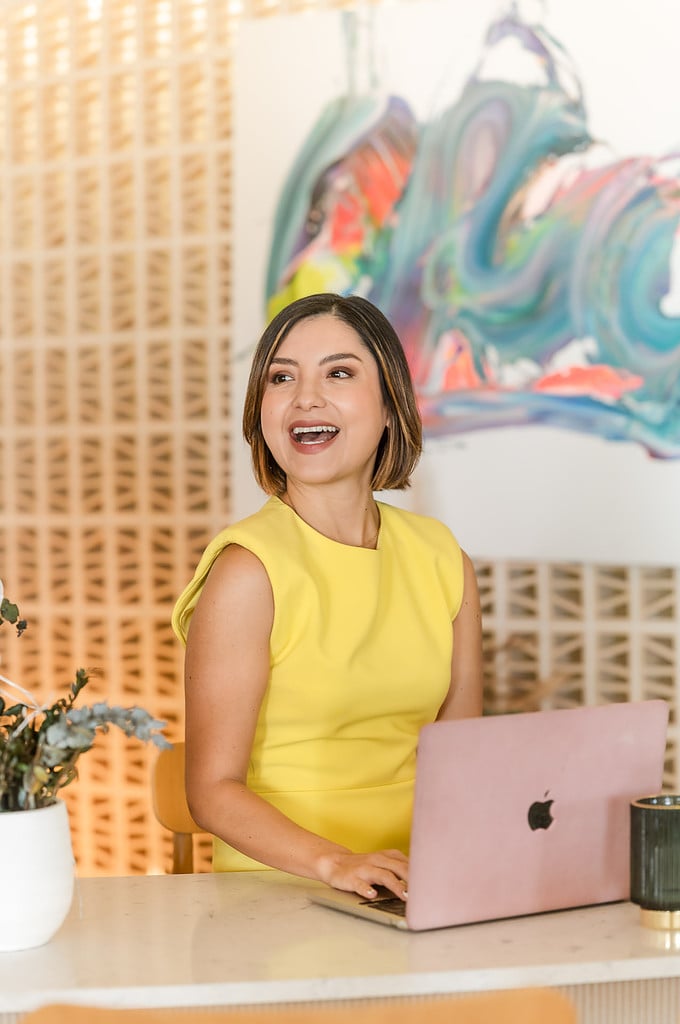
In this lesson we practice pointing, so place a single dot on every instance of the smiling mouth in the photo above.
(316, 434)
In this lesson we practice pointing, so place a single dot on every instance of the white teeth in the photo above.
(322, 428)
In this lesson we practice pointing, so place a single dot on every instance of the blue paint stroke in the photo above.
(524, 277)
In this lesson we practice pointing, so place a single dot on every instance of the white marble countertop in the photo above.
(201, 940)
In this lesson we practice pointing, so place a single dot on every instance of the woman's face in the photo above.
(322, 411)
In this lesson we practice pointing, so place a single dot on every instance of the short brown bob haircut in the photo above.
(402, 441)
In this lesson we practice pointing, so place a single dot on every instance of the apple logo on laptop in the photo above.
(540, 815)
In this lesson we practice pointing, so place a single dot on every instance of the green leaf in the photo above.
(81, 680)
(16, 711)
(9, 611)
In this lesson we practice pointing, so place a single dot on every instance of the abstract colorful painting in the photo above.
(503, 180)
(525, 268)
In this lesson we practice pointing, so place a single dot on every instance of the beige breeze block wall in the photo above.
(115, 254)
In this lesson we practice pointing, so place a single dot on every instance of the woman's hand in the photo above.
(361, 872)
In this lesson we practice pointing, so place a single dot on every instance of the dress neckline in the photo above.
(329, 540)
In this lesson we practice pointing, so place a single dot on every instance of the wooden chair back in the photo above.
(170, 806)
(522, 1006)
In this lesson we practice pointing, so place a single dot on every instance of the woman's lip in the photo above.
(311, 436)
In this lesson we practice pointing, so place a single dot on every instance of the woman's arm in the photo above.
(464, 699)
(226, 675)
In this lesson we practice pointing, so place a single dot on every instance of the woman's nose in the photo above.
(308, 395)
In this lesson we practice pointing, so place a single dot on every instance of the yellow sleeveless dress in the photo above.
(360, 659)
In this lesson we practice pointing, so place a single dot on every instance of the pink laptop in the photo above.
(520, 814)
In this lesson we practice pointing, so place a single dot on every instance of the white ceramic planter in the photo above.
(37, 871)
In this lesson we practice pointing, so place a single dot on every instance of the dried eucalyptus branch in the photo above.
(41, 743)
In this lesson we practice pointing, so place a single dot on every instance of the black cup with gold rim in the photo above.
(655, 859)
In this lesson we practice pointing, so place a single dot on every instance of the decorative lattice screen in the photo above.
(115, 206)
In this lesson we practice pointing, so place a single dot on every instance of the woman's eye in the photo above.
(339, 372)
(280, 378)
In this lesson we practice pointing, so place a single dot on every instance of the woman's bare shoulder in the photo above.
(237, 567)
(237, 584)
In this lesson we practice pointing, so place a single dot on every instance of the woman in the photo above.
(326, 629)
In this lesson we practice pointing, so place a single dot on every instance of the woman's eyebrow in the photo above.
(335, 357)
(339, 356)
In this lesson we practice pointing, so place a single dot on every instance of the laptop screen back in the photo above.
(524, 813)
